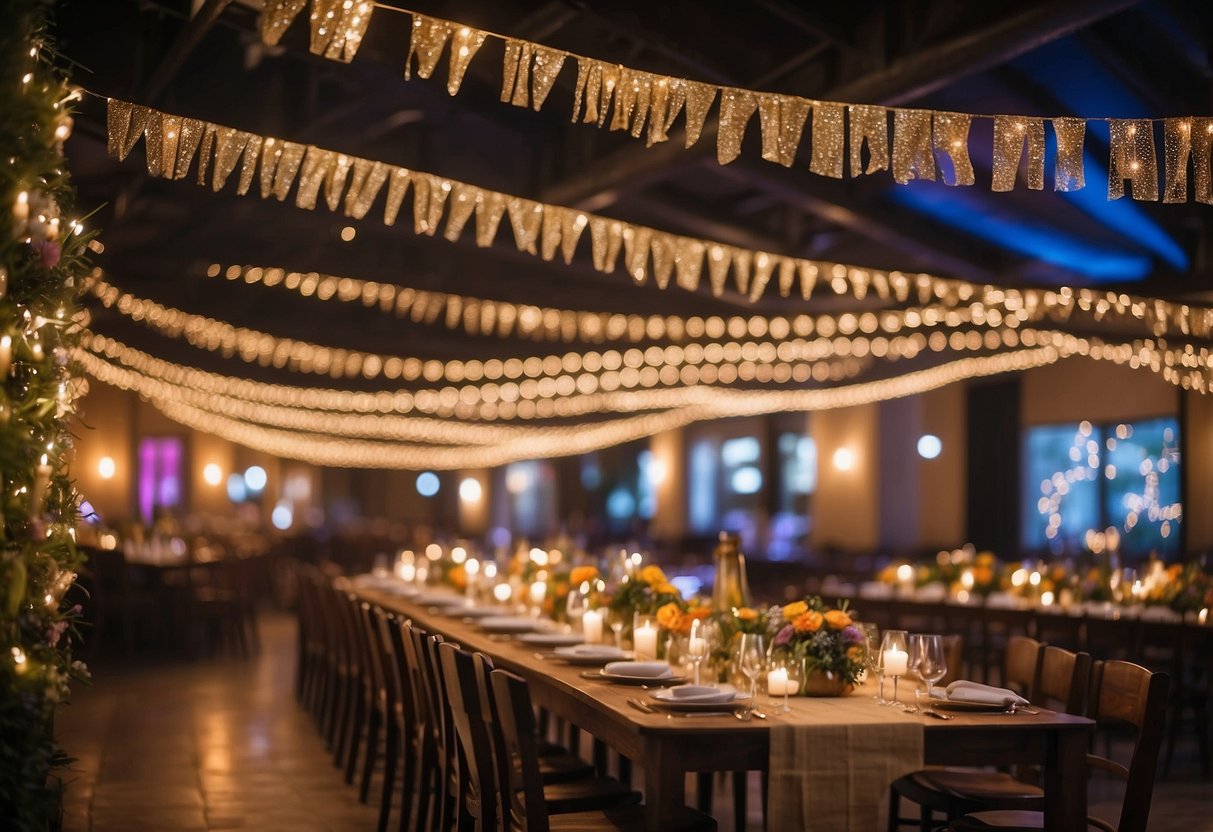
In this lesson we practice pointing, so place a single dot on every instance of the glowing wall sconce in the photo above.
(844, 459)
(469, 490)
(929, 446)
(107, 468)
(212, 474)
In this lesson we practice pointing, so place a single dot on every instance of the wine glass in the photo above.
(697, 647)
(932, 662)
(576, 605)
(751, 656)
(617, 619)
(895, 659)
(913, 654)
(873, 658)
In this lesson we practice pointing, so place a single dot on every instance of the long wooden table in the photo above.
(668, 749)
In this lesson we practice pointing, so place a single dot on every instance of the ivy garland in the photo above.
(42, 264)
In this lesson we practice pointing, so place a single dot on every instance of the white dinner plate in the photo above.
(474, 612)
(438, 599)
(591, 655)
(666, 699)
(512, 624)
(662, 681)
(551, 639)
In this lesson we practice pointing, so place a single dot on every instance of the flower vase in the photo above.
(819, 683)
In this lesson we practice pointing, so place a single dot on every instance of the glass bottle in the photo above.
(731, 589)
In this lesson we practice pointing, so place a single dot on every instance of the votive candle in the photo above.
(644, 642)
(591, 625)
(895, 662)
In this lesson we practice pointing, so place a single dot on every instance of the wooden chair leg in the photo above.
(371, 753)
(740, 800)
(703, 792)
(390, 755)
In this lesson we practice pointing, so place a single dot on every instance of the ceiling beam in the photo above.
(919, 73)
(185, 43)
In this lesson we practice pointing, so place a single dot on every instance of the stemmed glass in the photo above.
(894, 659)
(576, 605)
(617, 620)
(697, 647)
(874, 658)
(932, 661)
(751, 656)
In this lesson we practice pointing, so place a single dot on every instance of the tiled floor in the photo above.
(221, 744)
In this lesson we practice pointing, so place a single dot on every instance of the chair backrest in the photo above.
(953, 653)
(394, 662)
(368, 632)
(1020, 663)
(463, 694)
(1061, 680)
(1129, 694)
(440, 707)
(519, 752)
(413, 638)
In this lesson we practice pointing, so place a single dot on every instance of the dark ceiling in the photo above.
(1112, 58)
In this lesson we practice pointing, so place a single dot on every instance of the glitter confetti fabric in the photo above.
(951, 137)
(782, 118)
(912, 157)
(870, 124)
(426, 40)
(1202, 146)
(465, 43)
(1131, 157)
(1068, 170)
(736, 109)
(547, 66)
(1010, 134)
(1177, 148)
(699, 98)
(277, 16)
(828, 138)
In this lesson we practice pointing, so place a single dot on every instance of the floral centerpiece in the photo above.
(826, 638)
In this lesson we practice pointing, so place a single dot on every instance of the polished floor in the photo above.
(221, 744)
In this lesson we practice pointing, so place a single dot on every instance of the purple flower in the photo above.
(55, 632)
(783, 636)
(852, 635)
(49, 252)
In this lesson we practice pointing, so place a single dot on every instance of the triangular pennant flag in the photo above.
(675, 93)
(141, 118)
(398, 181)
(736, 109)
(248, 168)
(549, 235)
(871, 124)
(463, 203)
(572, 224)
(720, 257)
(764, 267)
(316, 166)
(584, 66)
(829, 136)
(276, 17)
(1202, 163)
(465, 43)
(117, 127)
(743, 258)
(548, 63)
(338, 27)
(365, 183)
(429, 202)
(606, 236)
(699, 99)
(880, 282)
(334, 183)
(1068, 169)
(490, 205)
(783, 119)
(229, 144)
(787, 276)
(636, 241)
(205, 149)
(1132, 158)
(807, 270)
(912, 157)
(170, 128)
(153, 144)
(287, 168)
(426, 41)
(189, 135)
(592, 87)
(1177, 148)
(610, 82)
(516, 75)
(951, 138)
(525, 218)
(859, 282)
(663, 248)
(688, 260)
(271, 152)
(1010, 133)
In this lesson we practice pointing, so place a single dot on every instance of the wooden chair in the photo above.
(421, 783)
(1058, 678)
(1123, 693)
(399, 723)
(379, 701)
(517, 756)
(360, 684)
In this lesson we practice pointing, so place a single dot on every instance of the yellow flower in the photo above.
(808, 622)
(653, 575)
(747, 614)
(582, 574)
(837, 619)
(458, 577)
(794, 609)
(669, 616)
(665, 588)
(855, 653)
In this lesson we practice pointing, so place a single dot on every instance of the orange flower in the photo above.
(794, 609)
(458, 577)
(669, 617)
(653, 575)
(808, 622)
(837, 619)
(665, 588)
(582, 574)
(855, 653)
(747, 614)
(697, 614)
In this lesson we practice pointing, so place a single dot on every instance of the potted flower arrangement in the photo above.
(645, 591)
(826, 640)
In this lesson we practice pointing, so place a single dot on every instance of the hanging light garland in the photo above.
(648, 104)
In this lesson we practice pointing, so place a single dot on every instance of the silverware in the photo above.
(644, 707)
(759, 714)
(694, 714)
(931, 712)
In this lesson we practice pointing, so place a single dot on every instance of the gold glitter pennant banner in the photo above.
(828, 138)
(951, 138)
(276, 17)
(1068, 169)
(428, 37)
(338, 27)
(1131, 157)
(869, 124)
(1177, 148)
(1202, 147)
(1010, 135)
(912, 157)
(736, 109)
(782, 119)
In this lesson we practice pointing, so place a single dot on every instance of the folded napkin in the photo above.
(591, 650)
(653, 670)
(703, 693)
(962, 691)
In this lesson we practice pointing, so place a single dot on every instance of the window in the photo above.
(1089, 477)
(161, 460)
(797, 482)
(531, 495)
(726, 486)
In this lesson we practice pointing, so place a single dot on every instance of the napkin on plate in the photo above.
(962, 691)
(652, 670)
(703, 693)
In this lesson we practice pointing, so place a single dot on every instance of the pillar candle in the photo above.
(777, 682)
(895, 662)
(644, 642)
(6, 355)
(42, 478)
(591, 624)
(696, 646)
